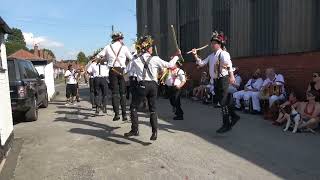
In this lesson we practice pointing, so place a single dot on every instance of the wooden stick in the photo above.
(203, 47)
(175, 40)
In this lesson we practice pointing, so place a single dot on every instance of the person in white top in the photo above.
(146, 68)
(274, 79)
(251, 90)
(91, 80)
(235, 86)
(220, 69)
(116, 54)
(71, 81)
(100, 72)
(175, 81)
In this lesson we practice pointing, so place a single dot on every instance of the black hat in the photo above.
(219, 37)
(117, 36)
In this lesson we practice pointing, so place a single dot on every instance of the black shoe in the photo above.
(234, 120)
(131, 133)
(97, 110)
(104, 110)
(178, 118)
(93, 106)
(78, 100)
(124, 118)
(116, 118)
(223, 129)
(154, 136)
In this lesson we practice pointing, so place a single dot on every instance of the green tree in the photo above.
(81, 58)
(15, 41)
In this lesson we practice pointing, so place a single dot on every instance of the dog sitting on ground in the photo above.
(294, 116)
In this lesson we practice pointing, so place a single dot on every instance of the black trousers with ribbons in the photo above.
(175, 99)
(225, 99)
(149, 90)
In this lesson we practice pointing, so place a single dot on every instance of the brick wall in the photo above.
(296, 68)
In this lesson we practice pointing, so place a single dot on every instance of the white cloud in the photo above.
(42, 41)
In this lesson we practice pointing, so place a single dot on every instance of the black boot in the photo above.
(97, 110)
(131, 133)
(234, 119)
(225, 127)
(104, 109)
(116, 118)
(154, 136)
(124, 118)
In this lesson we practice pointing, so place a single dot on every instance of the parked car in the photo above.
(28, 90)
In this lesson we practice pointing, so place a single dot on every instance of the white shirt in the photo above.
(108, 54)
(94, 69)
(87, 67)
(129, 69)
(278, 80)
(212, 59)
(71, 77)
(176, 77)
(254, 84)
(233, 89)
(154, 65)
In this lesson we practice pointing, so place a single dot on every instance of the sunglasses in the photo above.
(314, 76)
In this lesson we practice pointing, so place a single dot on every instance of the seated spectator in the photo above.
(252, 88)
(315, 84)
(309, 111)
(235, 87)
(198, 92)
(292, 101)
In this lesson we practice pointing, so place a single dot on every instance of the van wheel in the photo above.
(45, 102)
(32, 114)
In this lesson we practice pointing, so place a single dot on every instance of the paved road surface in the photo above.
(71, 143)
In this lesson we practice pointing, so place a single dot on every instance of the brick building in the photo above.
(280, 34)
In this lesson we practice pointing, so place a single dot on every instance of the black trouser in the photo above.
(100, 91)
(145, 89)
(91, 86)
(174, 97)
(225, 99)
(133, 84)
(118, 87)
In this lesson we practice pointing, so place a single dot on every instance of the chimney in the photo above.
(36, 50)
(41, 53)
(45, 55)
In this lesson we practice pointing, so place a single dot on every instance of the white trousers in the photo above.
(246, 95)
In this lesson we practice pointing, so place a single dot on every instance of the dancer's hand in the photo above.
(194, 52)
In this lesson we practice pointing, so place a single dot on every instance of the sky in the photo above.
(70, 26)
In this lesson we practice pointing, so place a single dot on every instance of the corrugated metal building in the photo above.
(253, 27)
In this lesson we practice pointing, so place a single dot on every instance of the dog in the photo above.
(294, 116)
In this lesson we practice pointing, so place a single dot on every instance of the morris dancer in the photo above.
(116, 54)
(220, 68)
(146, 68)
(175, 81)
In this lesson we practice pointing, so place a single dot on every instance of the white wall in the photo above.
(6, 123)
(48, 72)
